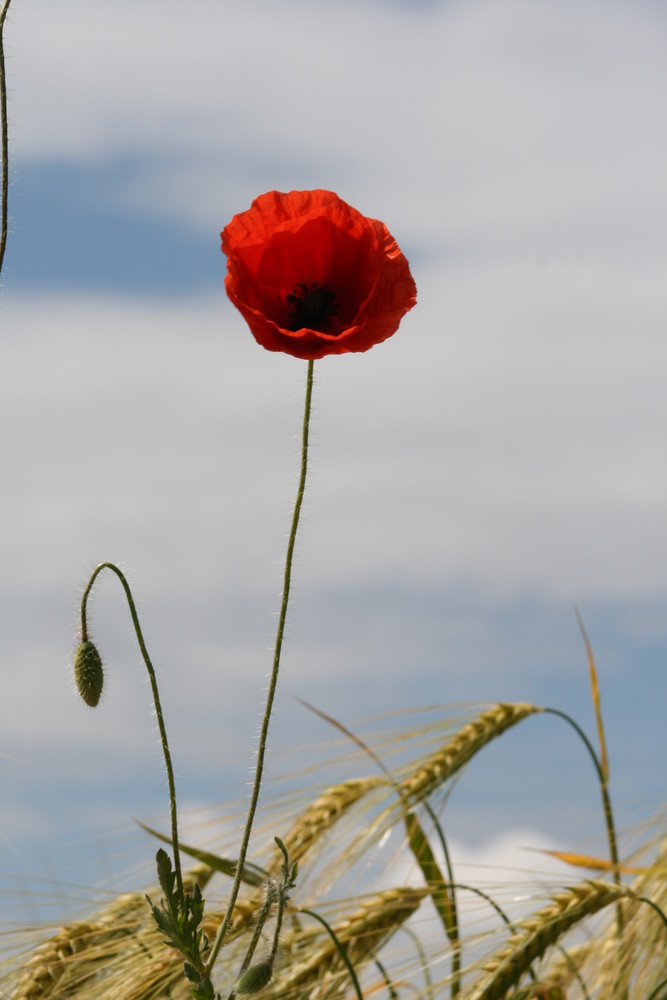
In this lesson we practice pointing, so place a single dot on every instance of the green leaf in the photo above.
(203, 988)
(437, 886)
(191, 973)
(167, 880)
(204, 991)
(253, 875)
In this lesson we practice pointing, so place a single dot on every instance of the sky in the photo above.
(498, 461)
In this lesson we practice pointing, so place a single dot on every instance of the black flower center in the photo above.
(311, 305)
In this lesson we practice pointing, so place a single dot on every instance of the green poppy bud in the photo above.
(88, 673)
(255, 978)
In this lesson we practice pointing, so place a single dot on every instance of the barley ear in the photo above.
(534, 936)
(445, 762)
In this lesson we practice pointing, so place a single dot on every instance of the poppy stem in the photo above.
(287, 579)
(4, 140)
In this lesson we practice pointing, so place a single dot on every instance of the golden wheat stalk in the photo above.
(71, 956)
(446, 761)
(641, 955)
(535, 935)
(121, 948)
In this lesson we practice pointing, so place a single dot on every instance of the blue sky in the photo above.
(497, 461)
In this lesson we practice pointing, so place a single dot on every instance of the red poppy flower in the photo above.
(312, 276)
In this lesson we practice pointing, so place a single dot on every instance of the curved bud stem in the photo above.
(156, 701)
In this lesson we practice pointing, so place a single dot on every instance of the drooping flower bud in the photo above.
(88, 673)
(255, 978)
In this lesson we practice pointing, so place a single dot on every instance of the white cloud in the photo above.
(503, 440)
(466, 456)
(483, 125)
(512, 867)
(509, 441)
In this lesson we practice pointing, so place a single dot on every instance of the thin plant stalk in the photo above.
(263, 736)
(342, 951)
(606, 808)
(4, 140)
(156, 701)
(254, 941)
(450, 888)
(424, 968)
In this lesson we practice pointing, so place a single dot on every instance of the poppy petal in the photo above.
(309, 256)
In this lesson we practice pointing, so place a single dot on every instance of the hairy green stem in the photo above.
(156, 701)
(254, 941)
(261, 749)
(4, 141)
